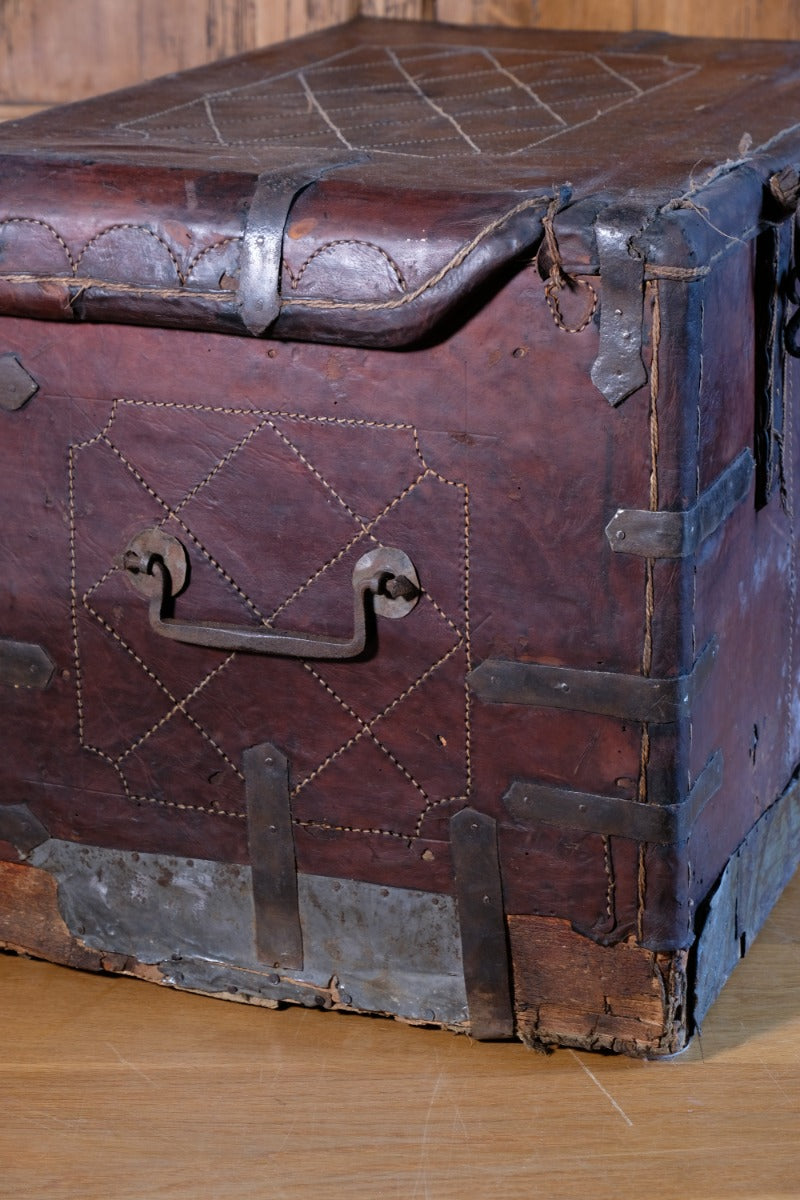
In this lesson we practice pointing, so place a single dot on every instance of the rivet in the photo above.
(620, 535)
(345, 998)
(273, 979)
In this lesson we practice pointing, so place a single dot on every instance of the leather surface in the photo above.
(487, 454)
(462, 139)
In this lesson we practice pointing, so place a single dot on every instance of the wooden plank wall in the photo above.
(51, 51)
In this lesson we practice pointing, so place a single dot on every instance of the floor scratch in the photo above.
(132, 1066)
(598, 1084)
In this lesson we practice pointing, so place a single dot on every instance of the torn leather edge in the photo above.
(530, 803)
(610, 693)
(481, 916)
(663, 534)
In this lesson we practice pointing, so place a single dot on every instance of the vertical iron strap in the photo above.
(484, 942)
(278, 934)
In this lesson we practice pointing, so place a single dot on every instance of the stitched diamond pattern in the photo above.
(424, 101)
(273, 509)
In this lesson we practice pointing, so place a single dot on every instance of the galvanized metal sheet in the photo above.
(531, 803)
(631, 697)
(377, 949)
(744, 896)
(484, 939)
(679, 534)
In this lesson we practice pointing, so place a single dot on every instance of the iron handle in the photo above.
(384, 580)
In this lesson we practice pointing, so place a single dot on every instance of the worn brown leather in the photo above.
(483, 449)
(461, 139)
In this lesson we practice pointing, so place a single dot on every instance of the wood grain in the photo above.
(114, 1087)
(53, 52)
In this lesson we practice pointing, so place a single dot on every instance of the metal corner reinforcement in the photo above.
(531, 803)
(611, 693)
(679, 534)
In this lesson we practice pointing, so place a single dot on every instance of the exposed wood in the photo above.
(716, 18)
(563, 980)
(410, 10)
(14, 112)
(719, 18)
(110, 1088)
(53, 53)
(543, 14)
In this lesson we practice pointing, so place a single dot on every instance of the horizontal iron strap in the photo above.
(535, 803)
(632, 697)
(679, 534)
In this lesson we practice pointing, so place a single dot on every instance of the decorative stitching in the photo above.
(48, 227)
(649, 601)
(193, 262)
(366, 531)
(295, 277)
(138, 229)
(221, 463)
(170, 512)
(180, 705)
(349, 829)
(317, 475)
(611, 887)
(366, 727)
(452, 264)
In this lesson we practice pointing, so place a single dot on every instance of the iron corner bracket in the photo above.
(610, 693)
(530, 803)
(679, 534)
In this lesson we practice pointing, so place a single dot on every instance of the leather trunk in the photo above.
(399, 478)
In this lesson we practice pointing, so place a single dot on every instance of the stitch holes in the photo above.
(296, 276)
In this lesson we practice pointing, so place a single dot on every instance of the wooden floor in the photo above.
(114, 1089)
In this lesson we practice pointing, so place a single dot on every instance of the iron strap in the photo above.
(531, 803)
(259, 290)
(679, 534)
(618, 369)
(484, 947)
(632, 697)
(279, 939)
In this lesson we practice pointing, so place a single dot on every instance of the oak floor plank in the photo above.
(113, 1087)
